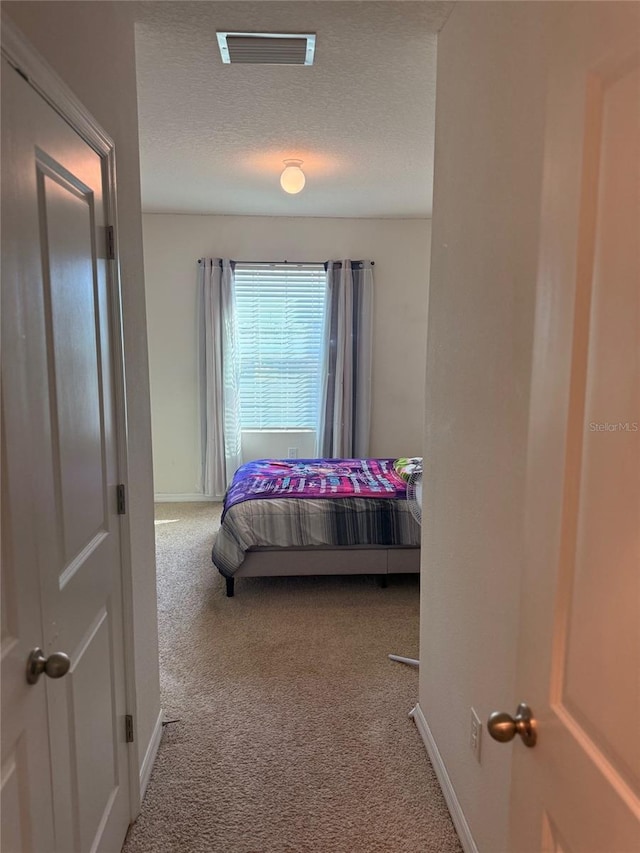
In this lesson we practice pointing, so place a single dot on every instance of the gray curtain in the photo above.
(345, 401)
(219, 377)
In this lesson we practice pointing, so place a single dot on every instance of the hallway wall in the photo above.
(488, 177)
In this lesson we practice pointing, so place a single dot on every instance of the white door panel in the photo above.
(67, 214)
(578, 790)
(54, 201)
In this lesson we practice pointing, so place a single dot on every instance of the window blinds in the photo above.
(280, 315)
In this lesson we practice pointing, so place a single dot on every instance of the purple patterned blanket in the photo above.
(315, 478)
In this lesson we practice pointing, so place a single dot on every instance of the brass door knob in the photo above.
(503, 727)
(55, 666)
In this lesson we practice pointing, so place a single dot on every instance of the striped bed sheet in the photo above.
(306, 522)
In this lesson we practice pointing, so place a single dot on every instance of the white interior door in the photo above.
(64, 559)
(578, 790)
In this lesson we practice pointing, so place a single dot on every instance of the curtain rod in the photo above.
(268, 263)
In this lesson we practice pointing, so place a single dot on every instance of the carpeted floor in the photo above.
(293, 732)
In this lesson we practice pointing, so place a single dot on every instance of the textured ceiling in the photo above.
(213, 136)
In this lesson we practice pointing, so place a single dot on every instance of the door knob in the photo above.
(503, 727)
(55, 666)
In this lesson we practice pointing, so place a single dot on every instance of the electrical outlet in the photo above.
(475, 740)
(292, 453)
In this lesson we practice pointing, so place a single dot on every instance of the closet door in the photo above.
(70, 768)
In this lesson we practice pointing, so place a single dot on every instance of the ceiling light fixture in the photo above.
(292, 179)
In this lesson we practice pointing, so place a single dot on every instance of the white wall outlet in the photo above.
(292, 453)
(475, 740)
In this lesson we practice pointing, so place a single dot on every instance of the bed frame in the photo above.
(327, 560)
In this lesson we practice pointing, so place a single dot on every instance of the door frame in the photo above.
(23, 57)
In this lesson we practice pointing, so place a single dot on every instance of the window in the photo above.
(280, 315)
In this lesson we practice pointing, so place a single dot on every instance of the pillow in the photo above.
(408, 465)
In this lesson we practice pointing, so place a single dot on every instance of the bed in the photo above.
(316, 517)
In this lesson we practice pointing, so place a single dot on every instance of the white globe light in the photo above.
(292, 180)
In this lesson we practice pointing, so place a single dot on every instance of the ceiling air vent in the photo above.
(267, 48)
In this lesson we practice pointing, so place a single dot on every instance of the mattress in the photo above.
(358, 502)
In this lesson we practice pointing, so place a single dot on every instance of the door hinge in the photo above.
(128, 728)
(111, 243)
(121, 499)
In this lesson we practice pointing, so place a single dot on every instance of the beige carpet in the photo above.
(293, 732)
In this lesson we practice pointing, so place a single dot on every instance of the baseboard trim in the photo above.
(150, 755)
(457, 815)
(182, 498)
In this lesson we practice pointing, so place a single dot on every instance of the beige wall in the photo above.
(489, 146)
(91, 46)
(172, 245)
